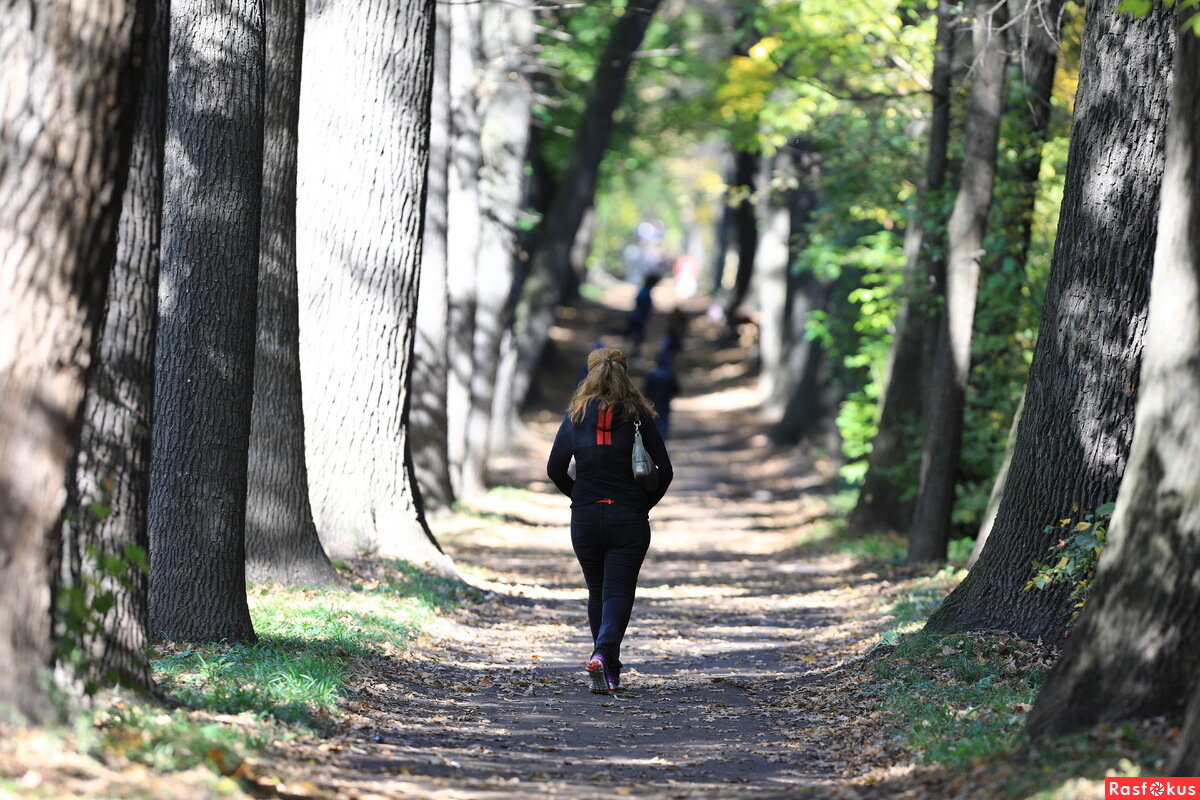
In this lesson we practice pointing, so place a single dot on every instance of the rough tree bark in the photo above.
(71, 85)
(204, 351)
(281, 539)
(107, 492)
(364, 145)
(882, 504)
(1135, 652)
(427, 414)
(942, 423)
(506, 100)
(1075, 430)
(534, 313)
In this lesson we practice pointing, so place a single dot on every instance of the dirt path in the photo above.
(729, 628)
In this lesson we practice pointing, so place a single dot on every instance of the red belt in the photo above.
(606, 500)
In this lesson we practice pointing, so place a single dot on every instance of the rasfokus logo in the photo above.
(1151, 787)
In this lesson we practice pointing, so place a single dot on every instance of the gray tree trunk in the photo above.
(281, 539)
(1075, 430)
(364, 144)
(929, 534)
(1135, 652)
(107, 493)
(774, 259)
(204, 351)
(464, 219)
(506, 100)
(542, 286)
(427, 414)
(790, 376)
(882, 502)
(65, 133)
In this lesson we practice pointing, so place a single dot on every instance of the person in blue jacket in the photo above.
(610, 526)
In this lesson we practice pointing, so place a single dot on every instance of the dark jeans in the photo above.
(610, 541)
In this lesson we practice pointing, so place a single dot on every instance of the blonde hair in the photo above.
(608, 381)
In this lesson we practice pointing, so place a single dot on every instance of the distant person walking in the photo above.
(610, 527)
(639, 317)
(660, 388)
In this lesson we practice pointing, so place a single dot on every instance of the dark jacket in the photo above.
(603, 460)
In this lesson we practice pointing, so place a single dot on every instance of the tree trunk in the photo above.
(1074, 435)
(1036, 42)
(722, 235)
(107, 492)
(204, 352)
(281, 539)
(540, 291)
(65, 133)
(789, 379)
(745, 225)
(882, 502)
(1136, 650)
(463, 222)
(942, 425)
(507, 33)
(774, 266)
(427, 414)
(364, 139)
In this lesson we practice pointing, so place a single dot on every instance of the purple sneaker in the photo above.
(597, 669)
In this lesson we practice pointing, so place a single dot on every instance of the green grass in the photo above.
(959, 702)
(288, 682)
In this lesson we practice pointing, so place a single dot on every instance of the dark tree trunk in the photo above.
(58, 224)
(281, 539)
(107, 494)
(1074, 435)
(722, 236)
(891, 469)
(541, 288)
(942, 423)
(204, 353)
(745, 225)
(1136, 650)
(360, 219)
(427, 413)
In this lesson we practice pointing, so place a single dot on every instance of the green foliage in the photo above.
(955, 699)
(858, 339)
(1073, 557)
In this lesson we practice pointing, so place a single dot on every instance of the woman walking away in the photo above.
(610, 528)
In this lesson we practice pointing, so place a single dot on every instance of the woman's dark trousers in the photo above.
(610, 541)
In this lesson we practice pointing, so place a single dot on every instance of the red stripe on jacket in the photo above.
(604, 426)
